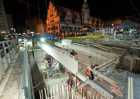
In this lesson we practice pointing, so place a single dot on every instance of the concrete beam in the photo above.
(69, 62)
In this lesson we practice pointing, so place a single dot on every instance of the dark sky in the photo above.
(105, 9)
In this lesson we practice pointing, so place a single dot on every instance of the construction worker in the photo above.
(89, 71)
(74, 54)
(70, 82)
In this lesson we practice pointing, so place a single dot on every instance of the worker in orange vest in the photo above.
(70, 82)
(89, 71)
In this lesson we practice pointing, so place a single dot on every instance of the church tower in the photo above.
(85, 13)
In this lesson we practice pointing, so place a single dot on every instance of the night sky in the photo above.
(104, 9)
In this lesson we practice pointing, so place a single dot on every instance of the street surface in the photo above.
(12, 89)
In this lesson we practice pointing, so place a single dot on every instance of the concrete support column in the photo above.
(1, 68)
(114, 35)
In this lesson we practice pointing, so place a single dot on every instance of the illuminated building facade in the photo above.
(61, 19)
(53, 19)
(39, 26)
(64, 20)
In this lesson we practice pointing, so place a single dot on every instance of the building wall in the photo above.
(9, 20)
(85, 13)
(70, 20)
(53, 19)
(62, 20)
(39, 26)
(3, 18)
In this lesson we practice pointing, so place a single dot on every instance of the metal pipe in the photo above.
(40, 97)
(45, 93)
(42, 94)
(130, 88)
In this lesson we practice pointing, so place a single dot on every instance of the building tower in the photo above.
(3, 19)
(85, 13)
(53, 19)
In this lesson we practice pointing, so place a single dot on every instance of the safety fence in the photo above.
(8, 50)
(62, 91)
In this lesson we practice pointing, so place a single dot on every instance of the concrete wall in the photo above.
(84, 51)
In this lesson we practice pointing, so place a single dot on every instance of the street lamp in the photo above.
(42, 39)
(29, 43)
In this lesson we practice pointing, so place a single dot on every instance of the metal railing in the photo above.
(26, 77)
(62, 91)
(8, 49)
(130, 88)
